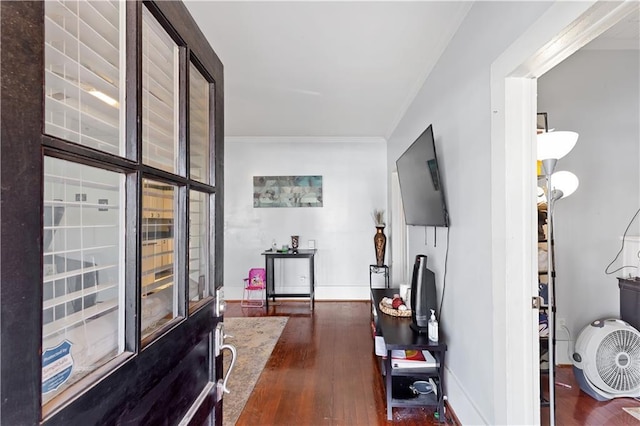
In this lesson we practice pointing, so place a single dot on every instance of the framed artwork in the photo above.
(541, 122)
(287, 191)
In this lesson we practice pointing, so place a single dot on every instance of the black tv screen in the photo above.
(420, 184)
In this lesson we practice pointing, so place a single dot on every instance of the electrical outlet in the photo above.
(562, 332)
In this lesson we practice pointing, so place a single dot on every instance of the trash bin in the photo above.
(630, 301)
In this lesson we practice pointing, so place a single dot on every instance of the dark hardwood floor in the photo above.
(323, 370)
(576, 408)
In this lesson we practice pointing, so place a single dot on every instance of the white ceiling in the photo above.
(335, 68)
(324, 68)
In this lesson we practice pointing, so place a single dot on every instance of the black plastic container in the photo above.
(630, 301)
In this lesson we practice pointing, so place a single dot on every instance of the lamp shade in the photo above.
(563, 181)
(555, 145)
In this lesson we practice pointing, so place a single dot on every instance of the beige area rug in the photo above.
(254, 339)
(634, 411)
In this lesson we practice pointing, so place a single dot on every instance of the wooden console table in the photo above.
(269, 257)
(398, 335)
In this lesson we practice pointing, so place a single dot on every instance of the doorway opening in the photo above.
(560, 32)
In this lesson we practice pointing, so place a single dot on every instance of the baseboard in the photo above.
(343, 293)
(466, 411)
(451, 414)
(298, 299)
(562, 352)
(331, 293)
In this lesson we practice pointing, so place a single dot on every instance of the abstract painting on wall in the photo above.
(287, 191)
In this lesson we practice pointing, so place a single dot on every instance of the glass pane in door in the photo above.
(159, 301)
(159, 95)
(199, 114)
(83, 276)
(84, 73)
(198, 246)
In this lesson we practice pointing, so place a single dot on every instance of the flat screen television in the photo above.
(420, 183)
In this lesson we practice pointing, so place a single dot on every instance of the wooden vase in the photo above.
(380, 244)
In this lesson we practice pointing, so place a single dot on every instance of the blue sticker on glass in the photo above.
(57, 365)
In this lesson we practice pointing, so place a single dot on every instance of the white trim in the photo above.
(343, 292)
(461, 401)
(563, 29)
(325, 292)
(399, 263)
(596, 19)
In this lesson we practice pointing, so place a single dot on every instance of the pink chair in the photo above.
(254, 285)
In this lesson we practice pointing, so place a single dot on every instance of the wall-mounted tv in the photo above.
(420, 184)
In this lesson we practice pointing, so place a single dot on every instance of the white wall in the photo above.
(594, 93)
(354, 183)
(456, 99)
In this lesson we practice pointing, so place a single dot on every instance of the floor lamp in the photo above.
(551, 147)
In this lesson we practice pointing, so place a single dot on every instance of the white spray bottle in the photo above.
(432, 327)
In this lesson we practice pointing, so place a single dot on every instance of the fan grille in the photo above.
(618, 360)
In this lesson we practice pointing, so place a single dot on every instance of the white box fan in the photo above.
(606, 360)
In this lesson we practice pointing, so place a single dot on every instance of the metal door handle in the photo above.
(234, 353)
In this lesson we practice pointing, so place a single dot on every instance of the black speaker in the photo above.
(423, 294)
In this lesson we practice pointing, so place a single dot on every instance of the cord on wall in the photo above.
(444, 277)
(570, 342)
(606, 271)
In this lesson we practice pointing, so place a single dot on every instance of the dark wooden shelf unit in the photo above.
(398, 335)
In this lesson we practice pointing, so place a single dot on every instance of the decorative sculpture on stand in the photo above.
(379, 239)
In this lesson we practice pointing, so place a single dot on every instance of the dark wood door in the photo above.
(167, 376)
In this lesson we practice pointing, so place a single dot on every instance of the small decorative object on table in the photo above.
(394, 307)
(433, 327)
(379, 239)
(294, 243)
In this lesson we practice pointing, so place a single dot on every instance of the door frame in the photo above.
(399, 241)
(563, 29)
